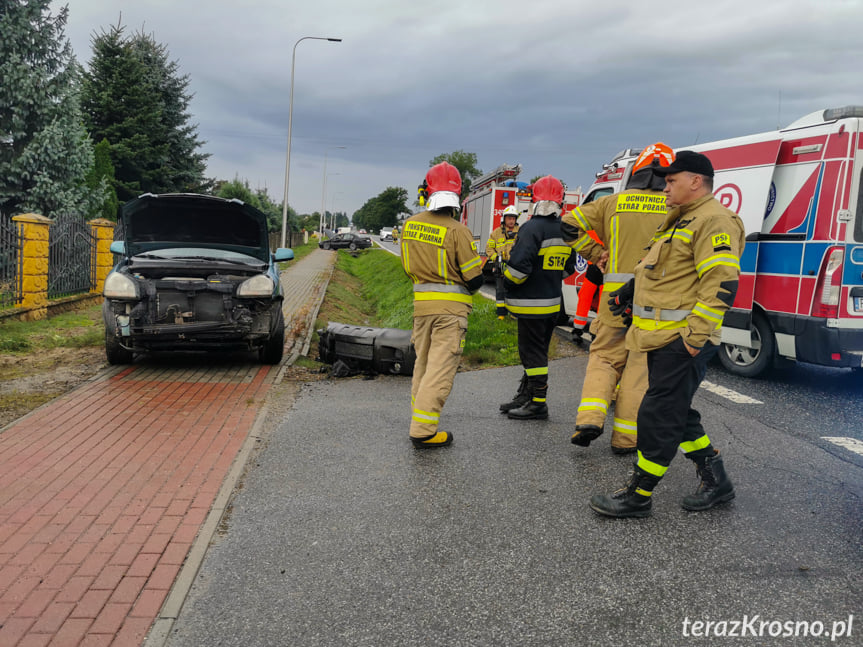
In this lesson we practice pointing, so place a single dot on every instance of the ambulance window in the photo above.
(596, 195)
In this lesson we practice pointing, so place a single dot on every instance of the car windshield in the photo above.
(200, 253)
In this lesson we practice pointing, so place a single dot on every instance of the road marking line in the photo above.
(851, 444)
(734, 396)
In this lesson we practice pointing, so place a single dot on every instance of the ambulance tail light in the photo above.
(829, 285)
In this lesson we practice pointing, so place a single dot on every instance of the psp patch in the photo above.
(721, 242)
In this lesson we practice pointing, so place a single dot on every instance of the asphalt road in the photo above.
(343, 534)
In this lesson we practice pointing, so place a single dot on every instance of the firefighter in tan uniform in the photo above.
(624, 222)
(439, 255)
(497, 251)
(683, 286)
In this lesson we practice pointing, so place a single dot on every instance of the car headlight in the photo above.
(257, 286)
(120, 286)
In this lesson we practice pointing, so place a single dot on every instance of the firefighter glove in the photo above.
(620, 302)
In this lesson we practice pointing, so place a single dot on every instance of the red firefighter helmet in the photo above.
(443, 177)
(548, 188)
(657, 153)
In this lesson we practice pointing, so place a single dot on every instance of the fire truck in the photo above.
(799, 193)
(493, 192)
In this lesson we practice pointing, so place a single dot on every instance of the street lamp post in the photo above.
(290, 123)
(333, 205)
(324, 215)
(323, 218)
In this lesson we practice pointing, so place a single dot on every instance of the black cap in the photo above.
(687, 161)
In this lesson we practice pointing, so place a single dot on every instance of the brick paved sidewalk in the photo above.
(104, 491)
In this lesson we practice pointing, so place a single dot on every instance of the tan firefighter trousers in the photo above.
(608, 365)
(439, 343)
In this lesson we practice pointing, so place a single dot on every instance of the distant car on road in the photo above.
(195, 273)
(346, 241)
(386, 234)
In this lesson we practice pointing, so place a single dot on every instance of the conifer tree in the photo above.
(134, 98)
(102, 174)
(45, 153)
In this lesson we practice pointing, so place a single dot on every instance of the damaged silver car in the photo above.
(195, 273)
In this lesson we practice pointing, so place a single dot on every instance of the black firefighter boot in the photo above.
(635, 499)
(715, 486)
(584, 434)
(520, 399)
(535, 408)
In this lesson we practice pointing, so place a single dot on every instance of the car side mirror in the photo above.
(119, 247)
(283, 254)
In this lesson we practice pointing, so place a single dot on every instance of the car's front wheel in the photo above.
(326, 245)
(114, 352)
(353, 247)
(274, 348)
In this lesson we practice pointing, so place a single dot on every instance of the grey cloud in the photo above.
(559, 87)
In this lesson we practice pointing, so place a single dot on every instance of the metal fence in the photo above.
(71, 257)
(10, 264)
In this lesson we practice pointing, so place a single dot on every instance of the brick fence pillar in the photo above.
(103, 233)
(34, 252)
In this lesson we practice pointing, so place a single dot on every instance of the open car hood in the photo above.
(151, 222)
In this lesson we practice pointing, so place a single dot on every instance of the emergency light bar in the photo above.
(832, 114)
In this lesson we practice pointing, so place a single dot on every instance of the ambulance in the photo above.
(799, 193)
(493, 192)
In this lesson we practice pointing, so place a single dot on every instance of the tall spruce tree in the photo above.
(102, 174)
(45, 153)
(134, 98)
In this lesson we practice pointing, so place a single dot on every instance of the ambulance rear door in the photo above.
(853, 216)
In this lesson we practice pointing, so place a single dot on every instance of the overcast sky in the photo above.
(558, 86)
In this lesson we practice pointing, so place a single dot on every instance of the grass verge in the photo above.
(77, 329)
(371, 289)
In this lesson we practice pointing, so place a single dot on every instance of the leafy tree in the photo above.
(383, 210)
(134, 98)
(466, 165)
(260, 200)
(45, 153)
(341, 219)
(310, 222)
(274, 212)
(239, 190)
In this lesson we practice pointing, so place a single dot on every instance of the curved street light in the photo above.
(290, 123)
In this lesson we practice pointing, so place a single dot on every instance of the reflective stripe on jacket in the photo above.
(536, 268)
(499, 243)
(439, 255)
(624, 222)
(688, 278)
